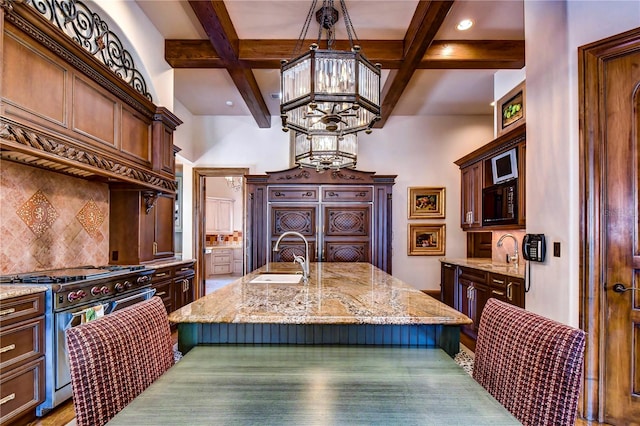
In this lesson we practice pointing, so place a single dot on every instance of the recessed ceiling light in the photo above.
(229, 103)
(464, 25)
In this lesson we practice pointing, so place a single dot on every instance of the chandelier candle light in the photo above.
(328, 96)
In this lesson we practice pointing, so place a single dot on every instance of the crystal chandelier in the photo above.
(329, 91)
(326, 150)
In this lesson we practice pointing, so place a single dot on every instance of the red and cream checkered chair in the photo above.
(113, 359)
(531, 364)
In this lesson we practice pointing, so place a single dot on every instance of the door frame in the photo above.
(199, 201)
(592, 268)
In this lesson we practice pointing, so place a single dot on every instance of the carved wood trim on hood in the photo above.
(25, 145)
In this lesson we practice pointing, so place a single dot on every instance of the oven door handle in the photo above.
(82, 312)
(146, 295)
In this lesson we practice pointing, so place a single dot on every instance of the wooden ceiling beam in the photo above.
(441, 54)
(426, 21)
(215, 20)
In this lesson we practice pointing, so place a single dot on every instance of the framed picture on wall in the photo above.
(511, 110)
(426, 203)
(426, 240)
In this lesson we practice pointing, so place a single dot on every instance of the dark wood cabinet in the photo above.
(141, 226)
(345, 215)
(174, 284)
(471, 196)
(448, 283)
(183, 288)
(476, 174)
(508, 289)
(22, 378)
(472, 294)
(162, 282)
(468, 289)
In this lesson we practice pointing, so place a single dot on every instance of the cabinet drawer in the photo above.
(475, 275)
(184, 270)
(21, 342)
(161, 274)
(163, 291)
(20, 308)
(21, 390)
(222, 269)
(293, 194)
(223, 258)
(347, 193)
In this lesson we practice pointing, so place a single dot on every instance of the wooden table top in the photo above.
(337, 293)
(314, 385)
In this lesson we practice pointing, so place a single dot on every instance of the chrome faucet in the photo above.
(302, 261)
(514, 257)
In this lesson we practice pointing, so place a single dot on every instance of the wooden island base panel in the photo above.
(342, 304)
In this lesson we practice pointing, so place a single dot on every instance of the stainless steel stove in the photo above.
(71, 294)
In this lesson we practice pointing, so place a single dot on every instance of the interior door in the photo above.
(622, 374)
(610, 113)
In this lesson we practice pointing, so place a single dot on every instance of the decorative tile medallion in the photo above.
(38, 213)
(91, 218)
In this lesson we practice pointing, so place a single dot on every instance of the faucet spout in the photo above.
(514, 257)
(302, 261)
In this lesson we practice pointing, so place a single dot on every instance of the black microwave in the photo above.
(500, 204)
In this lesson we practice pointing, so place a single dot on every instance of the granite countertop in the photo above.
(166, 263)
(7, 291)
(337, 293)
(512, 270)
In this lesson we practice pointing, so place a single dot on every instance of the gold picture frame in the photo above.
(426, 203)
(511, 109)
(426, 240)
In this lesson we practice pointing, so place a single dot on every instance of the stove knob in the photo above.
(143, 279)
(128, 284)
(76, 295)
(96, 291)
(119, 287)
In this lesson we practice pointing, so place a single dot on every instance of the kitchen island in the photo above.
(341, 304)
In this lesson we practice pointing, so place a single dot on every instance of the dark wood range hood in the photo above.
(63, 110)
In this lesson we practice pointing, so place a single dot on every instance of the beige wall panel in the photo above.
(32, 83)
(136, 135)
(94, 114)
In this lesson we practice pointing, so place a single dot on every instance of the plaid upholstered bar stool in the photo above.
(531, 364)
(113, 359)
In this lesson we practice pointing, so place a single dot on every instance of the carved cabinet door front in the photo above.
(298, 218)
(346, 233)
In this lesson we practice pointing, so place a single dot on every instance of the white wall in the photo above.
(421, 151)
(145, 44)
(553, 32)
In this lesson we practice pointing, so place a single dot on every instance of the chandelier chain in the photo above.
(305, 28)
(348, 24)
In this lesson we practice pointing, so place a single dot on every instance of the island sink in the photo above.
(277, 279)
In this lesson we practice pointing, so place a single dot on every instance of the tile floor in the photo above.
(214, 282)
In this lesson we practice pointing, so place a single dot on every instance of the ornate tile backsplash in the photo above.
(38, 213)
(91, 218)
(49, 220)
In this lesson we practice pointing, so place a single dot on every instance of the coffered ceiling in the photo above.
(226, 55)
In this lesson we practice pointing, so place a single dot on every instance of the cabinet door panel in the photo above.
(298, 219)
(347, 221)
(164, 215)
(289, 249)
(346, 252)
